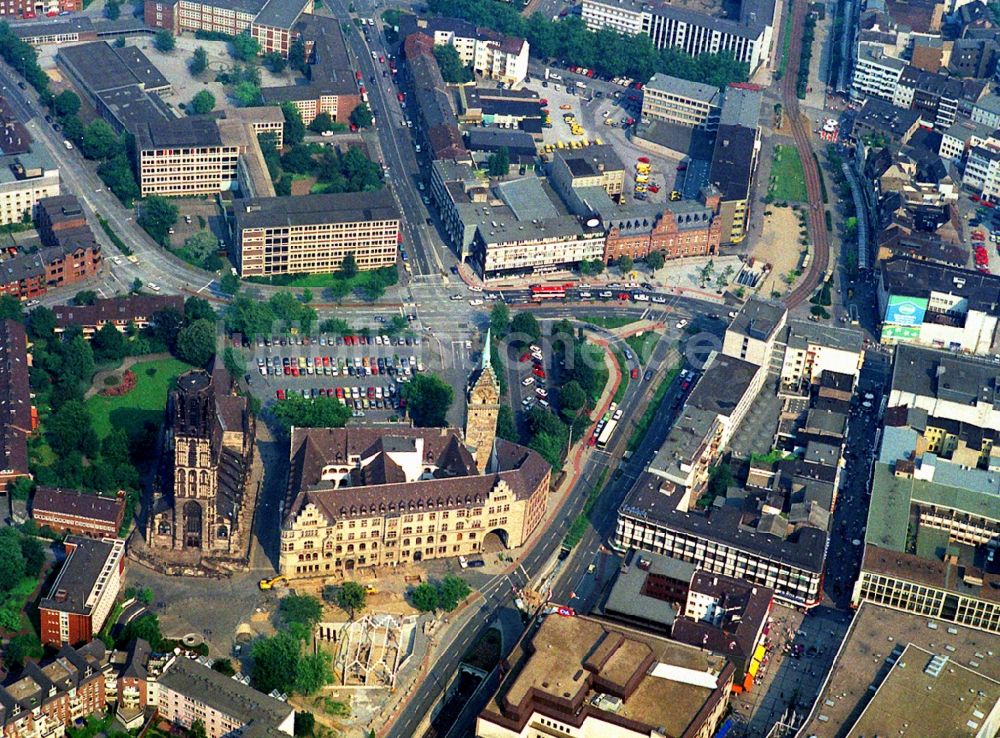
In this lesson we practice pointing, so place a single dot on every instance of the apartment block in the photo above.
(938, 98)
(755, 331)
(17, 416)
(679, 101)
(45, 698)
(808, 350)
(314, 233)
(490, 54)
(584, 677)
(13, 9)
(368, 497)
(78, 512)
(84, 592)
(875, 73)
(121, 312)
(24, 180)
(734, 162)
(747, 34)
(188, 691)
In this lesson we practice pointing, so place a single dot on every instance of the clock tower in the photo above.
(483, 410)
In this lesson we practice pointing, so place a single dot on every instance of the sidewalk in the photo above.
(572, 466)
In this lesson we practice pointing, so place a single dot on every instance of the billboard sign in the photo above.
(903, 310)
(899, 333)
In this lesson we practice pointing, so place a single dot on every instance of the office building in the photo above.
(679, 101)
(938, 98)
(330, 86)
(381, 497)
(269, 21)
(809, 350)
(755, 331)
(81, 513)
(18, 417)
(121, 312)
(593, 166)
(24, 180)
(83, 594)
(583, 677)
(189, 690)
(705, 30)
(314, 233)
(675, 229)
(938, 306)
(734, 162)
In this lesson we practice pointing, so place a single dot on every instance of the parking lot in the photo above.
(363, 373)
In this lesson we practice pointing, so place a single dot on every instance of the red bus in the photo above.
(541, 292)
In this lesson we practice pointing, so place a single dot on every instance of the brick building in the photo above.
(34, 8)
(78, 512)
(84, 592)
(137, 310)
(17, 417)
(45, 698)
(683, 228)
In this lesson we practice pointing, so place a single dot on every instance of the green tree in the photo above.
(77, 360)
(202, 103)
(10, 308)
(305, 724)
(196, 343)
(302, 609)
(451, 591)
(297, 55)
(109, 344)
(157, 216)
(499, 319)
(705, 273)
(506, 427)
(72, 128)
(41, 323)
(275, 662)
(424, 597)
(115, 446)
(244, 47)
(351, 597)
(66, 103)
(13, 560)
(362, 116)
(450, 64)
(525, 329)
(307, 296)
(274, 62)
(117, 174)
(319, 412)
(164, 41)
(165, 326)
(298, 159)
(85, 297)
(198, 62)
(230, 283)
(625, 264)
(295, 130)
(34, 555)
(112, 9)
(498, 163)
(427, 400)
(234, 361)
(223, 666)
(146, 627)
(197, 729)
(100, 141)
(313, 673)
(321, 123)
(22, 647)
(246, 94)
(349, 266)
(572, 398)
(69, 429)
(655, 260)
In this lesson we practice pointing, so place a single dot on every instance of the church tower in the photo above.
(483, 410)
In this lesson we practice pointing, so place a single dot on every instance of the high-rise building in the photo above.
(483, 410)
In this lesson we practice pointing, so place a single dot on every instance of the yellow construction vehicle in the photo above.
(266, 584)
(370, 589)
(675, 196)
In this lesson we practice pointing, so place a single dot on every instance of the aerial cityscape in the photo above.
(499, 369)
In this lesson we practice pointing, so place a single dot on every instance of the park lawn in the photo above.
(611, 321)
(321, 281)
(788, 180)
(13, 604)
(623, 368)
(146, 402)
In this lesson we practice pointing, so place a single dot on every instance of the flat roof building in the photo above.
(579, 675)
(24, 180)
(734, 163)
(680, 101)
(17, 416)
(314, 233)
(84, 592)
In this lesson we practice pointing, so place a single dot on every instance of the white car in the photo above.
(527, 381)
(326, 134)
(733, 313)
(658, 299)
(681, 323)
(475, 303)
(541, 392)
(475, 288)
(153, 286)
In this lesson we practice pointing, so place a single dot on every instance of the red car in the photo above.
(644, 159)
(326, 361)
(653, 188)
(978, 236)
(295, 371)
(288, 370)
(592, 440)
(538, 372)
(624, 296)
(525, 356)
(340, 392)
(280, 394)
(635, 373)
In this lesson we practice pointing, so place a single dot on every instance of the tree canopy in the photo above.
(318, 412)
(450, 64)
(198, 62)
(157, 216)
(202, 103)
(164, 41)
(428, 399)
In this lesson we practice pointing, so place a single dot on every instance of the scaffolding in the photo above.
(371, 651)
